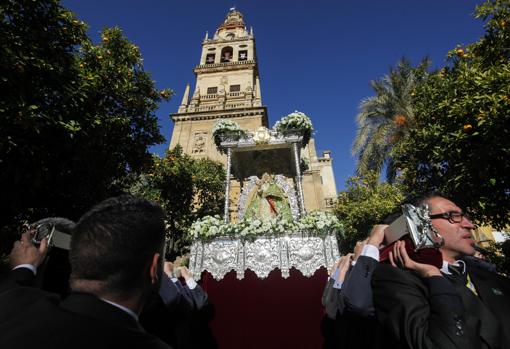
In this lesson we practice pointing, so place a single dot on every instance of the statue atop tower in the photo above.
(232, 27)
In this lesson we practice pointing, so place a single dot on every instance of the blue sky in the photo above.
(317, 57)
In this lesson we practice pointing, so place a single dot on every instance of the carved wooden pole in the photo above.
(227, 186)
(298, 179)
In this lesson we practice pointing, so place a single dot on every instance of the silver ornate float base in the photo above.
(306, 254)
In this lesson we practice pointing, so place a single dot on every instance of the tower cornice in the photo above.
(228, 66)
(222, 41)
(221, 114)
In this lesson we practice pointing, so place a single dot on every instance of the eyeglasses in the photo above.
(452, 216)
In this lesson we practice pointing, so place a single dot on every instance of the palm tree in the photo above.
(384, 119)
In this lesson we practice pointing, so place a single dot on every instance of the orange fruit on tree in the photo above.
(468, 127)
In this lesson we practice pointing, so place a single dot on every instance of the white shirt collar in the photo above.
(121, 307)
(444, 268)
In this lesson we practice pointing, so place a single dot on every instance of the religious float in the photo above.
(266, 257)
(272, 229)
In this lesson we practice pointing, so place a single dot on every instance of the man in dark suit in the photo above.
(172, 316)
(332, 298)
(116, 264)
(457, 306)
(348, 299)
(190, 291)
(357, 290)
(332, 326)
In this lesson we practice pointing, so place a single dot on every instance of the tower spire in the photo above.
(258, 97)
(185, 100)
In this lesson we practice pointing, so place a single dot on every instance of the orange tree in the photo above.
(461, 140)
(77, 117)
(365, 201)
(187, 188)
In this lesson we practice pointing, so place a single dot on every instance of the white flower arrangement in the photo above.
(226, 128)
(316, 223)
(206, 228)
(296, 121)
(320, 223)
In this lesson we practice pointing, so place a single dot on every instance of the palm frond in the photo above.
(385, 118)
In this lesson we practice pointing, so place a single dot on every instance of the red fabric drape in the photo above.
(269, 313)
(272, 205)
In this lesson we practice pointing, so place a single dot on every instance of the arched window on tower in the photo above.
(227, 54)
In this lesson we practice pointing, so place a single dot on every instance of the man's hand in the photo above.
(400, 258)
(334, 267)
(345, 263)
(184, 273)
(376, 237)
(359, 248)
(25, 252)
(168, 268)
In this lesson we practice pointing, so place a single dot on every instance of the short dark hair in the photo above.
(392, 217)
(418, 199)
(413, 199)
(113, 242)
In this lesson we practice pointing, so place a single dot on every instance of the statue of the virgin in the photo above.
(267, 200)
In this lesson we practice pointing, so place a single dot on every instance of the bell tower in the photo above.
(227, 87)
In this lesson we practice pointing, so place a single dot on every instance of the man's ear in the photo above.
(154, 268)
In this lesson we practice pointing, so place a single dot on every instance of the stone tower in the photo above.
(228, 87)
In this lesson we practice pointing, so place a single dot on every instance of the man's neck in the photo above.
(131, 304)
(449, 257)
(131, 301)
(450, 260)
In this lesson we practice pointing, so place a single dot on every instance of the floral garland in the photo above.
(296, 121)
(226, 128)
(317, 223)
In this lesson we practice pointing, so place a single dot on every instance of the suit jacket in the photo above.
(355, 296)
(357, 288)
(332, 300)
(172, 293)
(350, 322)
(490, 309)
(16, 278)
(174, 313)
(196, 297)
(439, 312)
(33, 318)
